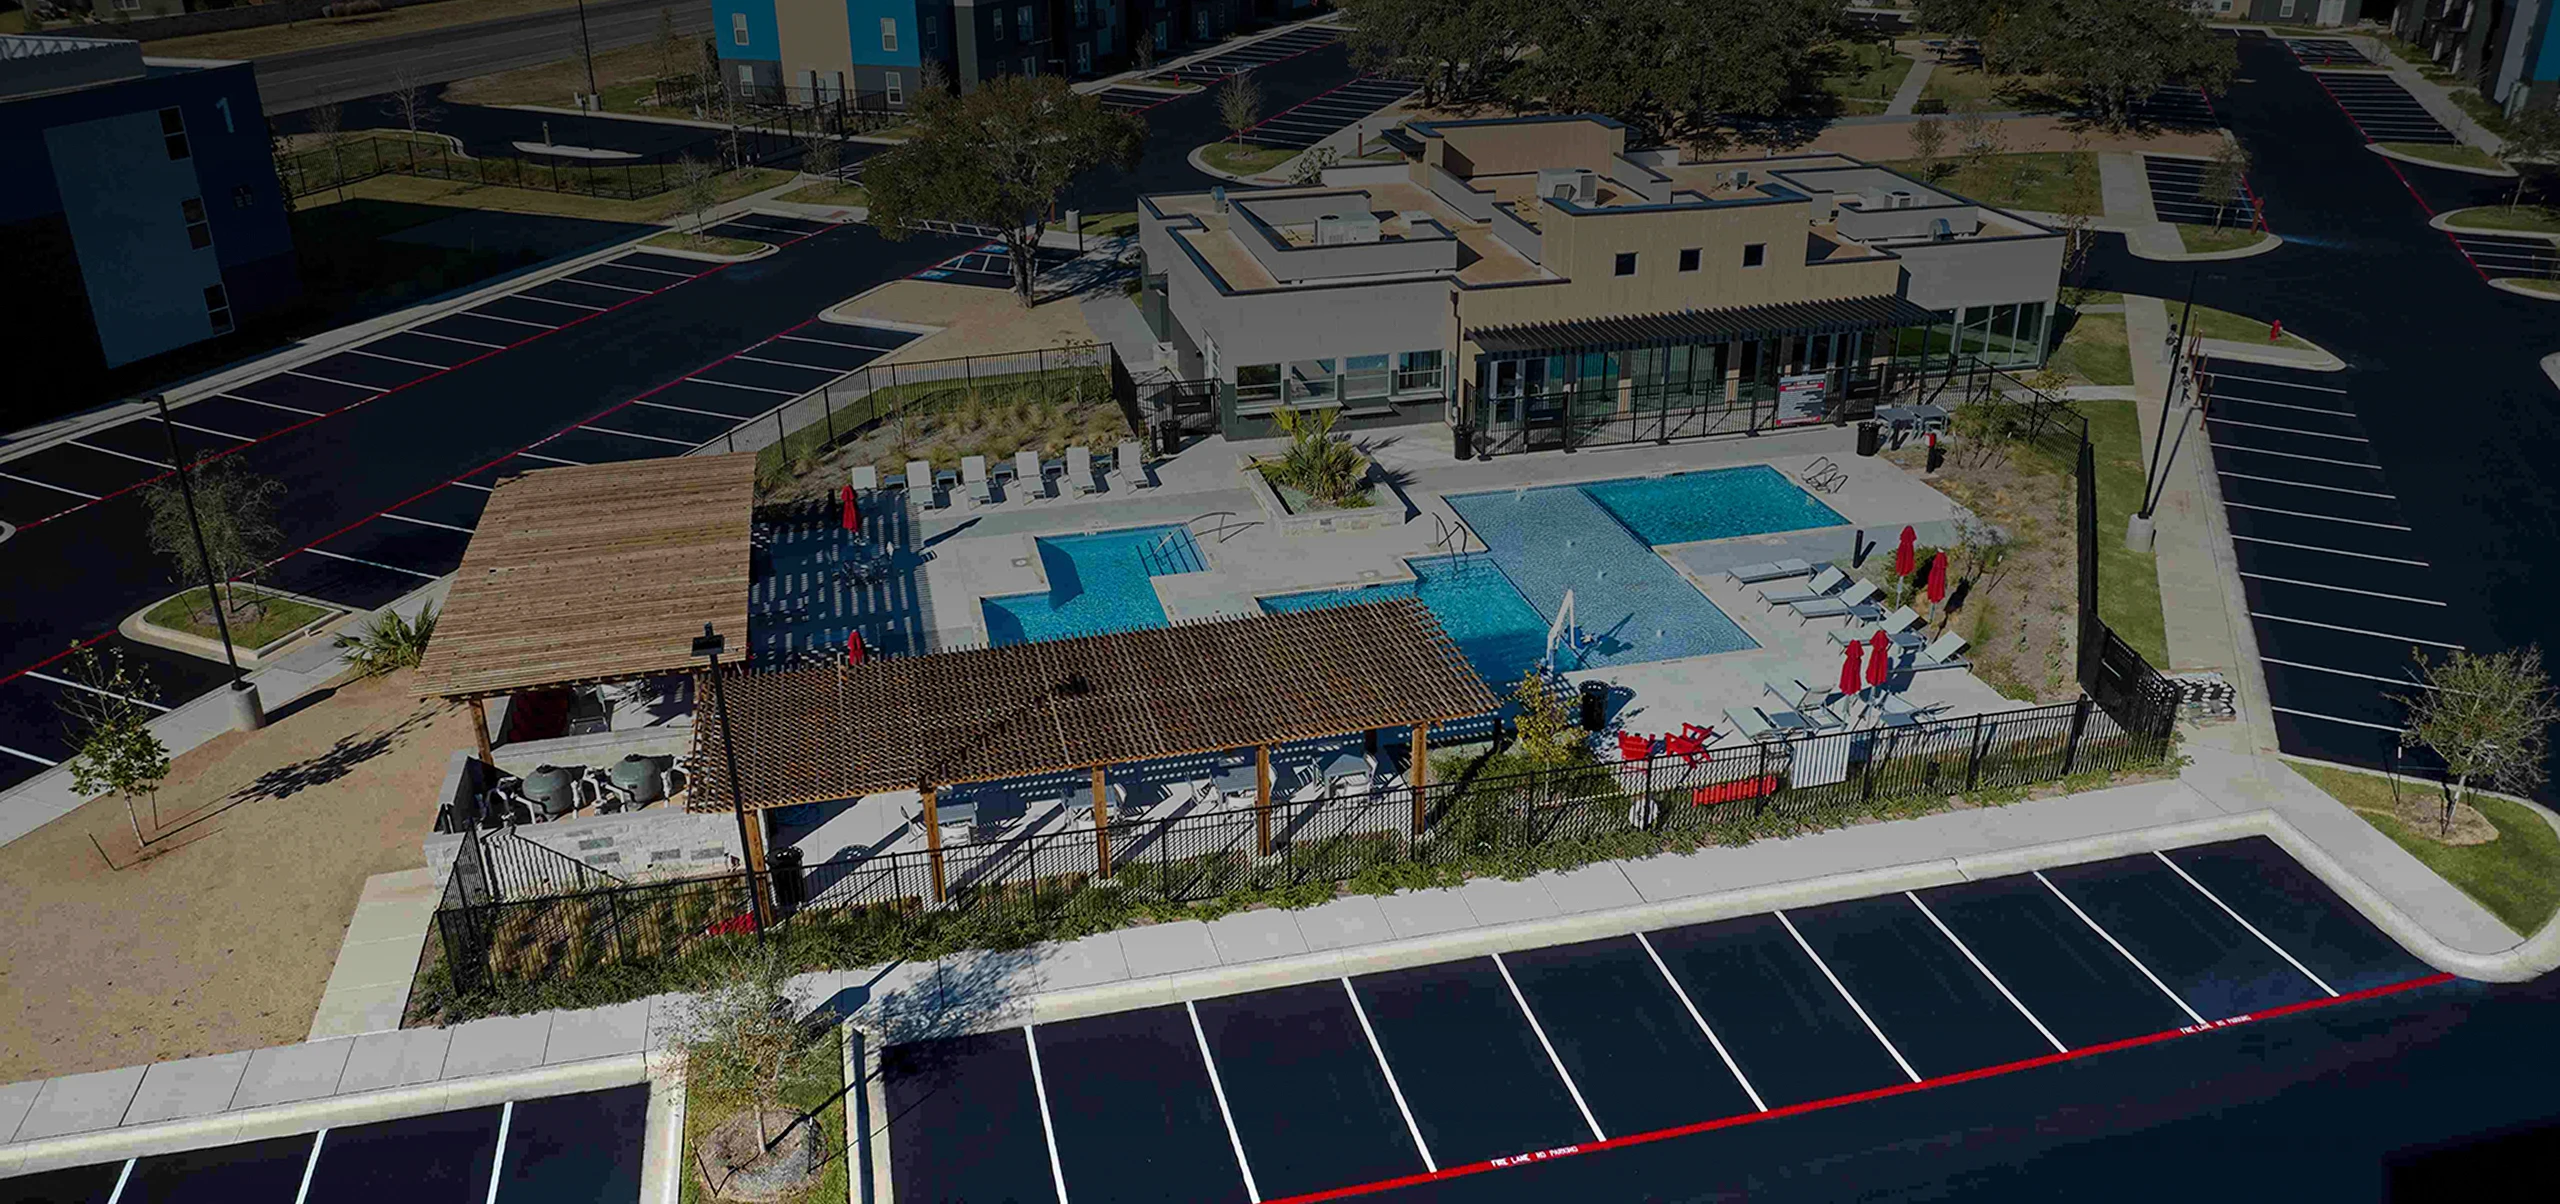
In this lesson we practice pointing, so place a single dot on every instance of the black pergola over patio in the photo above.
(1090, 703)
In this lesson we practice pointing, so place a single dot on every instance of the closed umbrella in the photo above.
(1938, 579)
(1903, 555)
(853, 648)
(852, 510)
(1879, 660)
(1849, 677)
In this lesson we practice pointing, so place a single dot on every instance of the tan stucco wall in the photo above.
(1504, 150)
(1584, 248)
(814, 37)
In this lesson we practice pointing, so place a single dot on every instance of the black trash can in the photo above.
(1169, 439)
(790, 890)
(1463, 441)
(1595, 705)
(1870, 437)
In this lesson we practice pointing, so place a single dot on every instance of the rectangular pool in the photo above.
(1098, 584)
(1718, 503)
(1501, 634)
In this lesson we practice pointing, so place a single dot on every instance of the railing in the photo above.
(357, 156)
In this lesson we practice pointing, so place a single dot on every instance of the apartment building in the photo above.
(873, 53)
(2509, 49)
(1517, 277)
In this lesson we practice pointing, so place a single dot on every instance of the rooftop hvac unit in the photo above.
(1578, 185)
(1939, 231)
(1901, 198)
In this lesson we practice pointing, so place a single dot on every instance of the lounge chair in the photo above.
(1775, 570)
(1850, 603)
(1757, 724)
(920, 483)
(1896, 627)
(1131, 463)
(1793, 694)
(865, 479)
(1824, 583)
(1080, 470)
(1026, 474)
(1893, 710)
(973, 473)
(1945, 652)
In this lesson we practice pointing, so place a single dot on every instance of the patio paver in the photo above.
(1426, 912)
(187, 1087)
(1497, 901)
(1254, 935)
(597, 1033)
(290, 1073)
(497, 1043)
(396, 1059)
(1590, 888)
(15, 1099)
(1344, 923)
(81, 1103)
(1168, 948)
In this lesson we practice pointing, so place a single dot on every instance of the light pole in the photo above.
(2140, 528)
(246, 714)
(586, 48)
(709, 645)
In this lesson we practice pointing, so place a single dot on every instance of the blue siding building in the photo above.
(874, 53)
(139, 200)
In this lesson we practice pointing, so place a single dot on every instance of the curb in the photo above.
(1199, 161)
(2268, 242)
(2387, 153)
(2443, 221)
(2506, 284)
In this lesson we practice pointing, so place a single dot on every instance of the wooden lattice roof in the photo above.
(602, 572)
(813, 735)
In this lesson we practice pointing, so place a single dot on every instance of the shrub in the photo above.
(392, 642)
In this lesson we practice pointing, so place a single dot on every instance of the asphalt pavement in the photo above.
(304, 78)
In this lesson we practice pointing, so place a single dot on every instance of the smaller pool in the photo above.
(1098, 584)
(1717, 504)
(1476, 604)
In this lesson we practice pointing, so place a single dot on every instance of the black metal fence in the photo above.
(357, 156)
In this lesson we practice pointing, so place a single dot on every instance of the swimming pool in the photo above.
(1501, 634)
(1630, 604)
(1098, 584)
(1718, 503)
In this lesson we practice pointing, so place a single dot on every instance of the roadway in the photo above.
(303, 79)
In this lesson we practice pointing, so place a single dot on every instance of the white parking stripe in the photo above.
(48, 485)
(1844, 994)
(2383, 635)
(2243, 921)
(119, 455)
(2110, 938)
(606, 430)
(1961, 947)
(628, 266)
(750, 388)
(554, 459)
(758, 359)
(206, 430)
(371, 390)
(309, 1165)
(1428, 1163)
(2242, 476)
(619, 288)
(473, 313)
(498, 1159)
(2290, 430)
(1540, 1031)
(2281, 405)
(426, 522)
(597, 309)
(2392, 681)
(376, 355)
(660, 405)
(1048, 1129)
(2379, 727)
(2345, 590)
(451, 339)
(391, 568)
(802, 338)
(469, 485)
(1218, 1088)
(2326, 518)
(47, 763)
(2268, 381)
(1695, 1014)
(2243, 447)
(275, 405)
(86, 689)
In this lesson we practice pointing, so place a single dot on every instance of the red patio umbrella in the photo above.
(1903, 556)
(1849, 668)
(852, 510)
(853, 649)
(1879, 660)
(1938, 579)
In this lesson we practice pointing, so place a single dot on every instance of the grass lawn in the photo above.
(2456, 156)
(2095, 350)
(463, 194)
(2532, 219)
(2128, 581)
(2084, 298)
(2049, 181)
(2548, 288)
(331, 31)
(708, 244)
(1958, 86)
(1111, 225)
(2406, 52)
(2482, 110)
(2221, 324)
(828, 192)
(825, 1096)
(2202, 239)
(276, 617)
(626, 76)
(2516, 876)
(1245, 159)
(1863, 75)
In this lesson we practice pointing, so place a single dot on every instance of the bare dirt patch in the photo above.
(223, 936)
(2018, 616)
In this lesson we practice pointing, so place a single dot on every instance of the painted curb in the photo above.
(2387, 153)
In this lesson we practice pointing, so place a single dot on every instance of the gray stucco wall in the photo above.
(1982, 272)
(1281, 325)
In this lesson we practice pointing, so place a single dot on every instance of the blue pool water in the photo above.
(1630, 604)
(1717, 504)
(1475, 603)
(1098, 584)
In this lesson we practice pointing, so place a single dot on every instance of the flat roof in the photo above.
(601, 572)
(1019, 710)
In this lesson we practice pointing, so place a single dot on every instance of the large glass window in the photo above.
(1311, 380)
(889, 33)
(1973, 339)
(173, 133)
(1417, 372)
(1366, 378)
(1257, 384)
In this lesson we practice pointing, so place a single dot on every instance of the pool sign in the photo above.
(1802, 398)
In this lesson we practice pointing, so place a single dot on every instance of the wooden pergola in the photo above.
(594, 574)
(991, 714)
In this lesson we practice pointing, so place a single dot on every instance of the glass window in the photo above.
(1311, 380)
(1084, 58)
(895, 85)
(1257, 384)
(1755, 254)
(1030, 64)
(173, 132)
(217, 308)
(1973, 339)
(996, 29)
(746, 78)
(2031, 331)
(199, 231)
(1022, 19)
(1626, 263)
(1164, 34)
(1084, 12)
(737, 29)
(1365, 377)
(888, 33)
(1689, 260)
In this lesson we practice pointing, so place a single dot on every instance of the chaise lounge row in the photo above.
(1042, 479)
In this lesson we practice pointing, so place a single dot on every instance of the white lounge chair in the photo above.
(1026, 474)
(865, 479)
(1895, 626)
(1847, 604)
(1945, 652)
(1775, 570)
(1080, 470)
(1131, 463)
(920, 484)
(973, 475)
(1794, 694)
(1824, 583)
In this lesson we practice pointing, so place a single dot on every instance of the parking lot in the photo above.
(1403, 1078)
(2177, 106)
(1261, 52)
(2325, 52)
(1312, 121)
(989, 265)
(1136, 100)
(2508, 254)
(2338, 584)
(2381, 109)
(2177, 194)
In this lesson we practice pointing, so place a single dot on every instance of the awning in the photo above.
(1839, 316)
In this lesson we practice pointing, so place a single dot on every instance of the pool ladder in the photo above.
(1455, 538)
(1173, 553)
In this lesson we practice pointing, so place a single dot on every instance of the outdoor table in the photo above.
(1235, 782)
(1341, 763)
